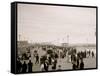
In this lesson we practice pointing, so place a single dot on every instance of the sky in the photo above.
(56, 24)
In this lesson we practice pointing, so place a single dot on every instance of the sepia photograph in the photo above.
(55, 38)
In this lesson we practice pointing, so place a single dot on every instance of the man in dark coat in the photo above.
(92, 54)
(77, 62)
(74, 66)
(49, 59)
(37, 59)
(30, 64)
(82, 64)
(24, 67)
(19, 66)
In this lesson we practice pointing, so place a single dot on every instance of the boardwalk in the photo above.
(88, 63)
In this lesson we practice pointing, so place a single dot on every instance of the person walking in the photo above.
(82, 64)
(92, 54)
(37, 59)
(24, 67)
(46, 65)
(74, 66)
(30, 64)
(19, 66)
(54, 64)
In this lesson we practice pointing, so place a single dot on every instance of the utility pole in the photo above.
(19, 37)
(68, 39)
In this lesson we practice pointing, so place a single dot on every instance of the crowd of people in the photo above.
(50, 59)
(77, 58)
(23, 68)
